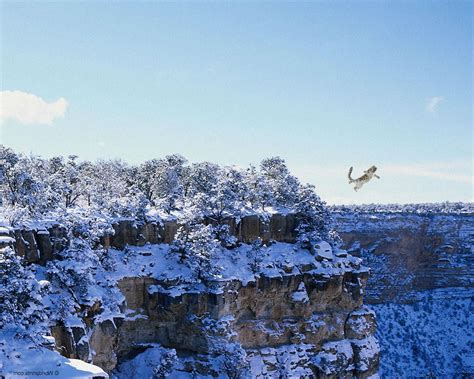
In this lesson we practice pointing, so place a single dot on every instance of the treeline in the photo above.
(35, 188)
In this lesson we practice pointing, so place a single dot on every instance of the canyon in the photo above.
(301, 314)
(319, 315)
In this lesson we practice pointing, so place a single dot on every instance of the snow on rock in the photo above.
(301, 295)
(366, 353)
(323, 249)
(150, 363)
(278, 260)
(288, 361)
(5, 240)
(336, 358)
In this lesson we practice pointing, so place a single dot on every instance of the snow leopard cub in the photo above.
(368, 175)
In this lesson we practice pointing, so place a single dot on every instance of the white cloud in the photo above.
(27, 108)
(433, 104)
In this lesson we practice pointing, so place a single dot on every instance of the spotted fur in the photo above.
(367, 177)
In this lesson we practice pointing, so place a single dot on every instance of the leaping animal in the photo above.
(367, 177)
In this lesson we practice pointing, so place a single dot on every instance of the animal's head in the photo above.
(372, 169)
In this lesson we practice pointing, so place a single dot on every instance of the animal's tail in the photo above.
(349, 175)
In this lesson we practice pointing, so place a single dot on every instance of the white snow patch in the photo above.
(324, 250)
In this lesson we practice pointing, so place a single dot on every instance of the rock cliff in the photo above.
(301, 315)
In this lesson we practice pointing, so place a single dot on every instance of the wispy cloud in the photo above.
(455, 172)
(433, 103)
(27, 108)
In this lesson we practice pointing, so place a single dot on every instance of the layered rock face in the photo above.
(321, 318)
(42, 244)
(409, 254)
(308, 320)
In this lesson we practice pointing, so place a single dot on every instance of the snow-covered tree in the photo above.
(234, 361)
(196, 246)
(64, 179)
(144, 177)
(21, 295)
(205, 192)
(167, 182)
(219, 199)
(223, 235)
(313, 216)
(283, 185)
(110, 186)
(24, 191)
(232, 357)
(259, 193)
(255, 255)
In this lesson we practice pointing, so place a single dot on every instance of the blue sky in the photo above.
(324, 85)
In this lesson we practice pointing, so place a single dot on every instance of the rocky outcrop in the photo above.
(71, 341)
(307, 309)
(39, 245)
(278, 227)
(320, 317)
(42, 244)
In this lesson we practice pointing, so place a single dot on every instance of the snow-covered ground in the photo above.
(278, 259)
(21, 359)
(432, 336)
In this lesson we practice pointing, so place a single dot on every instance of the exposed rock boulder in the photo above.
(70, 342)
(26, 246)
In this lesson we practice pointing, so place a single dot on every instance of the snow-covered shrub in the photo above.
(21, 295)
(232, 357)
(227, 240)
(234, 361)
(196, 245)
(156, 362)
(74, 271)
(255, 255)
(283, 185)
(314, 218)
